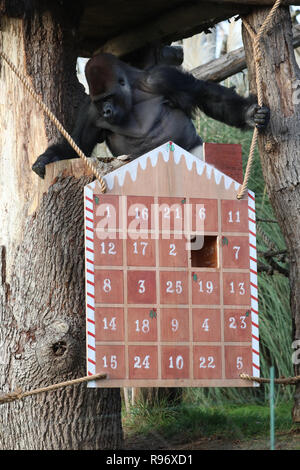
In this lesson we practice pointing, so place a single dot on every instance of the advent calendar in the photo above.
(171, 275)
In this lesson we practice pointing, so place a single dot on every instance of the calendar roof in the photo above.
(169, 169)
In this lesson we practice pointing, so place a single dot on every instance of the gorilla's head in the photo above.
(109, 87)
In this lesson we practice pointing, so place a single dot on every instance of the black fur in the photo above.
(135, 110)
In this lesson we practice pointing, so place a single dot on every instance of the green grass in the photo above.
(188, 421)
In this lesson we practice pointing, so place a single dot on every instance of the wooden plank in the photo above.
(184, 21)
(138, 24)
(225, 157)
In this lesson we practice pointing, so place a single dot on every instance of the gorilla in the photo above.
(135, 110)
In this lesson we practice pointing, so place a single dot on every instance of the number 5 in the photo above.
(239, 363)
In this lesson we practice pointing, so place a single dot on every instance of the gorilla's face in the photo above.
(115, 103)
(110, 89)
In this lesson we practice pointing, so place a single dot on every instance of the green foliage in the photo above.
(189, 421)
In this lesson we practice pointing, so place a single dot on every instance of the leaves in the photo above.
(224, 241)
(152, 313)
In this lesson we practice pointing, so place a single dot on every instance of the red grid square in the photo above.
(106, 212)
(110, 359)
(175, 362)
(207, 362)
(173, 287)
(140, 213)
(234, 216)
(108, 252)
(109, 324)
(206, 325)
(237, 325)
(140, 252)
(206, 288)
(173, 251)
(171, 212)
(142, 324)
(238, 360)
(142, 362)
(204, 215)
(174, 324)
(236, 288)
(235, 251)
(141, 287)
(109, 286)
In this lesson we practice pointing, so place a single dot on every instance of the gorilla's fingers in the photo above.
(39, 165)
(39, 169)
(261, 117)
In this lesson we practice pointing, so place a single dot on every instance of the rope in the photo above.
(18, 394)
(282, 381)
(257, 57)
(55, 121)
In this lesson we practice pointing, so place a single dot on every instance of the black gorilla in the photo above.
(136, 110)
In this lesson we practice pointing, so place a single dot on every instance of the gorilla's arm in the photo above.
(186, 92)
(85, 134)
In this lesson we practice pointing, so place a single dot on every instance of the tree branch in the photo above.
(231, 63)
(269, 221)
(272, 254)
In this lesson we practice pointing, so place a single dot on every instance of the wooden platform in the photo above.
(122, 27)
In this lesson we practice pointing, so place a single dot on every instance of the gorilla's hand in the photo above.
(39, 166)
(258, 116)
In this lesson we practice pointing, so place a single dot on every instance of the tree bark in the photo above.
(42, 294)
(279, 146)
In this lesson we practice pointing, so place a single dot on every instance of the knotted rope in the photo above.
(55, 121)
(257, 57)
(18, 394)
(262, 380)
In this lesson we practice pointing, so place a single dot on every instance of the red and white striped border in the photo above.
(253, 285)
(90, 282)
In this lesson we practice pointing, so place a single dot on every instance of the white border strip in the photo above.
(90, 283)
(253, 286)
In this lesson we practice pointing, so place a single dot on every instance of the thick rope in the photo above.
(18, 394)
(55, 121)
(262, 380)
(257, 57)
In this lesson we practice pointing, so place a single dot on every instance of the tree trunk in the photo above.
(279, 146)
(42, 298)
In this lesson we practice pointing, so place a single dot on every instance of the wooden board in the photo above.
(226, 158)
(171, 275)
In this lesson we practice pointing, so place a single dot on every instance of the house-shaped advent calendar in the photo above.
(171, 275)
